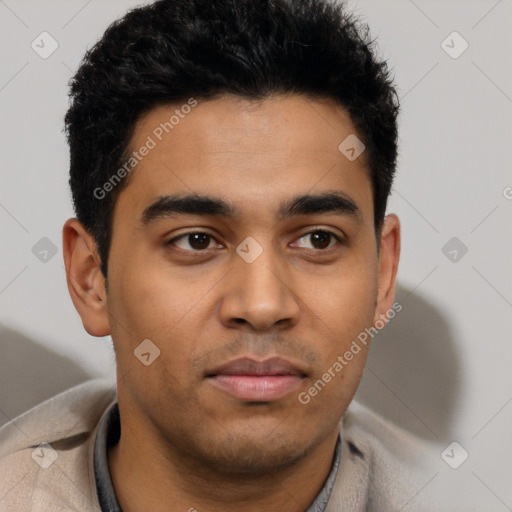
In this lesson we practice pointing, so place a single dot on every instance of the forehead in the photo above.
(244, 150)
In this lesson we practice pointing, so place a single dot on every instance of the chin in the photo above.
(245, 456)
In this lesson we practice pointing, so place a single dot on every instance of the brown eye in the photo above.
(319, 239)
(192, 241)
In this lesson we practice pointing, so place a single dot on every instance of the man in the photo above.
(230, 168)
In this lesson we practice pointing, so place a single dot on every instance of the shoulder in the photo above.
(383, 467)
(46, 453)
(384, 440)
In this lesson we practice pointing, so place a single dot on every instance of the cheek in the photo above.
(343, 347)
(344, 306)
(346, 299)
(152, 299)
(159, 305)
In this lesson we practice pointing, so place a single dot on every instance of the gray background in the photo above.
(441, 369)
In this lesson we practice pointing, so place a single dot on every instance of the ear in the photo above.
(86, 283)
(388, 265)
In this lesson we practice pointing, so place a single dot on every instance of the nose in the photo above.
(259, 295)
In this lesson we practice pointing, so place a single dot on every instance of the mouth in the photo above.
(251, 380)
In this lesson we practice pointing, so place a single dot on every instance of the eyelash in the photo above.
(198, 251)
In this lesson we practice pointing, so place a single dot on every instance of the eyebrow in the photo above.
(168, 206)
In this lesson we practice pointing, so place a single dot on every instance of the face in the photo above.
(244, 249)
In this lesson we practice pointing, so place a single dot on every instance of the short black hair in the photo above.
(172, 50)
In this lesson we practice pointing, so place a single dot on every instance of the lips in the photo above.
(257, 381)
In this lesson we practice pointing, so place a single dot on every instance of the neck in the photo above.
(145, 479)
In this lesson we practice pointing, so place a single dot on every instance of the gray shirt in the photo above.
(108, 435)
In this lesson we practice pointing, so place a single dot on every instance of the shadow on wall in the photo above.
(30, 373)
(413, 376)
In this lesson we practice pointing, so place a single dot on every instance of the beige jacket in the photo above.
(378, 471)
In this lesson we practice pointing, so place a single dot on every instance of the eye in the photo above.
(193, 241)
(319, 239)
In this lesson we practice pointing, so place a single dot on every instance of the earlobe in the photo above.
(388, 265)
(85, 281)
